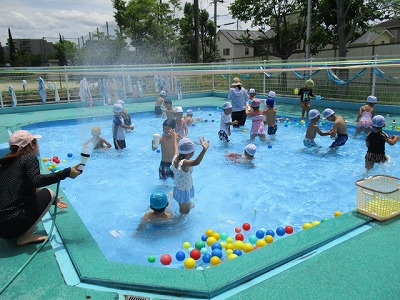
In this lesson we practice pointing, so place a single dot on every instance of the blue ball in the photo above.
(237, 252)
(180, 255)
(216, 252)
(206, 258)
(280, 231)
(216, 246)
(205, 120)
(158, 151)
(269, 146)
(270, 232)
(212, 120)
(286, 125)
(260, 234)
(204, 238)
(70, 155)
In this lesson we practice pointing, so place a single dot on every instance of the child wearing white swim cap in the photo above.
(182, 166)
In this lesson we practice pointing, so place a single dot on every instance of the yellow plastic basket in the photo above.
(379, 197)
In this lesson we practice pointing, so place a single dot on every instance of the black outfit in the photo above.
(305, 94)
(20, 204)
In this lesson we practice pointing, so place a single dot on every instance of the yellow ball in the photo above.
(229, 246)
(232, 256)
(244, 130)
(215, 260)
(189, 263)
(238, 245)
(50, 168)
(229, 240)
(216, 235)
(209, 232)
(229, 252)
(261, 243)
(269, 239)
(247, 247)
(223, 244)
(315, 223)
(307, 225)
(337, 213)
(186, 245)
(64, 160)
(44, 159)
(211, 240)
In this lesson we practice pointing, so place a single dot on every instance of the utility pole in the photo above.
(215, 21)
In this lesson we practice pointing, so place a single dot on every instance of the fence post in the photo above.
(67, 84)
(1, 99)
(263, 77)
(374, 76)
(213, 82)
(123, 81)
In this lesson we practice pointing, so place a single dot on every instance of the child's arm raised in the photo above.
(199, 158)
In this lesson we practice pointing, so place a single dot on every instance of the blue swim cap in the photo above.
(158, 200)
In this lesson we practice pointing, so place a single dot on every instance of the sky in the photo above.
(73, 19)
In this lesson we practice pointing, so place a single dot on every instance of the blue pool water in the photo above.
(289, 184)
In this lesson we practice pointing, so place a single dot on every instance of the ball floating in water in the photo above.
(206, 258)
(280, 231)
(204, 237)
(165, 259)
(216, 246)
(209, 232)
(253, 239)
(216, 235)
(239, 237)
(261, 243)
(324, 220)
(44, 159)
(270, 232)
(337, 213)
(186, 245)
(195, 254)
(199, 245)
(180, 255)
(289, 229)
(246, 226)
(151, 259)
(307, 225)
(215, 260)
(238, 229)
(244, 130)
(204, 250)
(237, 252)
(260, 234)
(64, 160)
(223, 236)
(189, 263)
(217, 252)
(247, 247)
(211, 240)
(232, 256)
(269, 146)
(269, 239)
(70, 155)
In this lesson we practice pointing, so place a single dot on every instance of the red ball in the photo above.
(165, 259)
(195, 254)
(238, 229)
(246, 226)
(55, 158)
(289, 229)
(239, 237)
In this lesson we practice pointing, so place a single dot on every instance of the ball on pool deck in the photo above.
(70, 155)
(165, 259)
(189, 263)
(337, 213)
(151, 259)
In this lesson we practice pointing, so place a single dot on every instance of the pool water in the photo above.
(289, 185)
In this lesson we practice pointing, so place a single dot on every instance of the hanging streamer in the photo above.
(305, 76)
(332, 76)
(382, 75)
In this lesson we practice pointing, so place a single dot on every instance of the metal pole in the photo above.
(264, 80)
(373, 77)
(67, 85)
(196, 30)
(308, 30)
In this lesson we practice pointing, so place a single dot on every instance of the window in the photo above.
(246, 51)
(218, 39)
(225, 52)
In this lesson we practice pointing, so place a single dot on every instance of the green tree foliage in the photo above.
(2, 56)
(66, 52)
(151, 27)
(285, 18)
(11, 47)
(207, 33)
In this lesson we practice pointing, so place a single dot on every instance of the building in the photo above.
(35, 47)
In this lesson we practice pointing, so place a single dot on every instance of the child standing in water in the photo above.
(118, 127)
(189, 117)
(169, 112)
(181, 127)
(313, 129)
(270, 115)
(182, 166)
(306, 93)
(339, 129)
(159, 103)
(169, 148)
(226, 122)
(365, 114)
(97, 141)
(375, 142)
(257, 120)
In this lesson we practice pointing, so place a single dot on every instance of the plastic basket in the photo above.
(379, 197)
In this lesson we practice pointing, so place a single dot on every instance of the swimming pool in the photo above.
(288, 186)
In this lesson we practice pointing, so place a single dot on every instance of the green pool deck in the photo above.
(347, 257)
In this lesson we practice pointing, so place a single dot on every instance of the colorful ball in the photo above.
(247, 247)
(151, 259)
(216, 252)
(337, 213)
(307, 225)
(261, 243)
(199, 245)
(186, 245)
(238, 229)
(165, 259)
(204, 237)
(232, 256)
(270, 232)
(253, 239)
(189, 263)
(216, 246)
(158, 150)
(209, 232)
(246, 226)
(223, 236)
(289, 229)
(229, 240)
(239, 237)
(180, 255)
(216, 235)
(211, 240)
(324, 220)
(44, 159)
(229, 246)
(70, 155)
(238, 244)
(204, 250)
(215, 260)
(206, 258)
(280, 231)
(269, 146)
(237, 252)
(269, 239)
(260, 234)
(195, 254)
(315, 223)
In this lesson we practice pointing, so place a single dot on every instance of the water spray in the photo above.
(85, 155)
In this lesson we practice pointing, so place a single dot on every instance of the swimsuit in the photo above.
(223, 136)
(165, 171)
(158, 110)
(257, 125)
(272, 129)
(365, 120)
(340, 140)
(309, 143)
(183, 183)
(376, 147)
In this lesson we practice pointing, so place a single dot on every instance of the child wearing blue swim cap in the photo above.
(158, 210)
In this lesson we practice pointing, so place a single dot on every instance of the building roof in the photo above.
(370, 36)
(234, 36)
(388, 24)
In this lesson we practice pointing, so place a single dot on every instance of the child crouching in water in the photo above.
(158, 210)
(182, 166)
(247, 156)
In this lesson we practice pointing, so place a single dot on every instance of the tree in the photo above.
(66, 52)
(207, 33)
(2, 57)
(11, 47)
(285, 18)
(61, 55)
(151, 27)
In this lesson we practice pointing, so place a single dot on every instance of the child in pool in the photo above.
(247, 156)
(313, 129)
(257, 121)
(158, 211)
(182, 166)
(159, 103)
(127, 118)
(375, 142)
(226, 122)
(306, 94)
(181, 127)
(270, 116)
(169, 148)
(364, 117)
(168, 111)
(189, 117)
(339, 129)
(118, 127)
(97, 141)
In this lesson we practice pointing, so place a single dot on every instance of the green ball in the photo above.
(200, 244)
(151, 259)
(324, 220)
